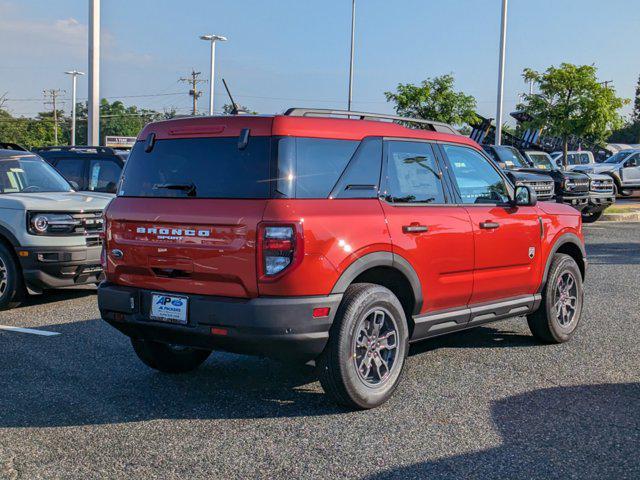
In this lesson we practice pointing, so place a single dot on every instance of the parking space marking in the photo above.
(42, 333)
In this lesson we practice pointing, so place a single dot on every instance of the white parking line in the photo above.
(42, 333)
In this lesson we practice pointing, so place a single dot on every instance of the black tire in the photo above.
(619, 191)
(591, 217)
(363, 307)
(11, 283)
(545, 324)
(169, 358)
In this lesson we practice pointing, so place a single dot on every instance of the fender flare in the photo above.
(6, 233)
(381, 259)
(562, 240)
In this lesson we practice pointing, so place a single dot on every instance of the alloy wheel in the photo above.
(375, 347)
(4, 280)
(566, 299)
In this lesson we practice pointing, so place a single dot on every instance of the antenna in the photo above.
(235, 110)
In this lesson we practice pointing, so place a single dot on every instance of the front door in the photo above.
(506, 238)
(630, 172)
(431, 234)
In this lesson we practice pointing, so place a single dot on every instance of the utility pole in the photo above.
(503, 44)
(606, 83)
(53, 95)
(194, 92)
(74, 83)
(93, 126)
(353, 41)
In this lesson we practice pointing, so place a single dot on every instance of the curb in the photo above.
(621, 217)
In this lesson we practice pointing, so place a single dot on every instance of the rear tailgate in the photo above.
(197, 246)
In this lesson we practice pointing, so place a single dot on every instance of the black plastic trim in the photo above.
(564, 239)
(6, 233)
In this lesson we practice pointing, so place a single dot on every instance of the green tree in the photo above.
(635, 116)
(434, 99)
(571, 102)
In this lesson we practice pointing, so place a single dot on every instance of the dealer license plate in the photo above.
(169, 308)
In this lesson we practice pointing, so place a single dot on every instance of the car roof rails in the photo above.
(12, 146)
(79, 149)
(321, 112)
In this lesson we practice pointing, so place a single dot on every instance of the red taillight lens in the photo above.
(278, 248)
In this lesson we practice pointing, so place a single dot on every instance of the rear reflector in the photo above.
(219, 331)
(321, 312)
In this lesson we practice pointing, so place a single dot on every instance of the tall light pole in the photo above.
(503, 42)
(74, 83)
(93, 125)
(212, 39)
(353, 41)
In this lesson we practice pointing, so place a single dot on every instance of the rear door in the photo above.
(506, 239)
(186, 216)
(433, 235)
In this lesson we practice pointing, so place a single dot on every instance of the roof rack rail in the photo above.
(322, 112)
(68, 148)
(12, 146)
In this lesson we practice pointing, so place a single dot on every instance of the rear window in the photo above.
(199, 168)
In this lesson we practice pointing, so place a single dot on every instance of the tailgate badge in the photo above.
(532, 252)
(115, 253)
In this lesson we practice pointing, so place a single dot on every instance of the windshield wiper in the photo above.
(188, 188)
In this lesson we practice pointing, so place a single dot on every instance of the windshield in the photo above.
(619, 157)
(511, 157)
(541, 160)
(29, 174)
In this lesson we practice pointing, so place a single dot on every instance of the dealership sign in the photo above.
(116, 141)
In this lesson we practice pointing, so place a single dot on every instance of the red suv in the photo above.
(308, 236)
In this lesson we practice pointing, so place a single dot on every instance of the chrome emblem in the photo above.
(115, 253)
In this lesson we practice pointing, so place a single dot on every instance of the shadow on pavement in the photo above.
(585, 432)
(613, 253)
(61, 295)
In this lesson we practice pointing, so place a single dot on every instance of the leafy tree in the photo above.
(635, 116)
(571, 102)
(434, 99)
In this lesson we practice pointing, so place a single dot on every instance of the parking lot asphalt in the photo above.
(489, 403)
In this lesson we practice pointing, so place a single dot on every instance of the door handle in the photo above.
(489, 225)
(415, 228)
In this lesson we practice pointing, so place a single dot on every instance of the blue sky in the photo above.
(285, 53)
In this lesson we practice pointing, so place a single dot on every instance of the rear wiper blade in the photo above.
(188, 188)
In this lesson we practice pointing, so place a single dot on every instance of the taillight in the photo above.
(279, 248)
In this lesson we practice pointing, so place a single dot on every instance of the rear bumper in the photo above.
(59, 267)
(281, 327)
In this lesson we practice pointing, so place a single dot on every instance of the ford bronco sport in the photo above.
(50, 236)
(332, 236)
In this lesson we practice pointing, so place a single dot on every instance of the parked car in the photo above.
(600, 187)
(623, 167)
(519, 171)
(305, 236)
(574, 159)
(50, 236)
(91, 169)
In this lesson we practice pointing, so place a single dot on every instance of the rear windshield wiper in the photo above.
(188, 188)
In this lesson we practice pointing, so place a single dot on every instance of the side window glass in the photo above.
(477, 181)
(103, 176)
(360, 179)
(412, 174)
(72, 169)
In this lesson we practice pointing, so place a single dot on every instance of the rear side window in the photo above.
(199, 168)
(362, 176)
(412, 174)
(310, 167)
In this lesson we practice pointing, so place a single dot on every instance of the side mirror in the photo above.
(74, 185)
(525, 196)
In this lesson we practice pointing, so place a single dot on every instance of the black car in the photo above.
(519, 171)
(91, 169)
(571, 188)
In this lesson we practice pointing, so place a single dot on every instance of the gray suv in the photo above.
(50, 235)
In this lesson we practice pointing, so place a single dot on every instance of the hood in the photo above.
(597, 176)
(553, 208)
(56, 201)
(598, 168)
(522, 176)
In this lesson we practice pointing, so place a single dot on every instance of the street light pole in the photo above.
(503, 42)
(93, 125)
(353, 39)
(74, 81)
(212, 39)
